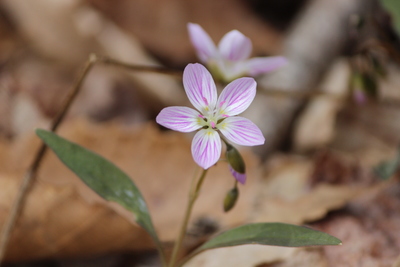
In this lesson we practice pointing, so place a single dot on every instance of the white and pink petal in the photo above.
(260, 65)
(206, 148)
(182, 119)
(241, 131)
(199, 87)
(234, 46)
(205, 47)
(237, 96)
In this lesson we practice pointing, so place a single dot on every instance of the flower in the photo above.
(231, 59)
(213, 115)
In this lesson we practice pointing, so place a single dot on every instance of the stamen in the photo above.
(212, 124)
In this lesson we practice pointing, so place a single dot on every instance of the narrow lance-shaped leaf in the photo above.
(273, 234)
(102, 176)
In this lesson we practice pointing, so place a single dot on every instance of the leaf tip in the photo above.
(39, 132)
(337, 242)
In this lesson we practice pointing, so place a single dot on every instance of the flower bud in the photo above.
(231, 198)
(234, 159)
(364, 86)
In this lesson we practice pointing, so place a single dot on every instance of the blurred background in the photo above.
(331, 118)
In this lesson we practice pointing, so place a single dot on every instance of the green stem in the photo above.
(194, 193)
(196, 252)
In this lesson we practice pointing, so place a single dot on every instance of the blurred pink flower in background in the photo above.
(230, 60)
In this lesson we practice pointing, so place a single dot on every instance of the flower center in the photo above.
(212, 120)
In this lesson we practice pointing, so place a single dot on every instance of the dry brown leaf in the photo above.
(65, 218)
(315, 127)
(288, 197)
(57, 38)
(369, 229)
(397, 262)
(242, 256)
(305, 257)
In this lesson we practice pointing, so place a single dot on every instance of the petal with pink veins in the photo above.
(205, 47)
(241, 131)
(259, 65)
(206, 148)
(237, 96)
(235, 46)
(182, 119)
(200, 87)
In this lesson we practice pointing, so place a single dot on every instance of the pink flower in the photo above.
(231, 59)
(213, 115)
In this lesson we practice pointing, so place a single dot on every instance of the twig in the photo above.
(155, 69)
(27, 182)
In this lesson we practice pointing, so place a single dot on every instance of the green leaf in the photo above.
(393, 6)
(273, 234)
(102, 176)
